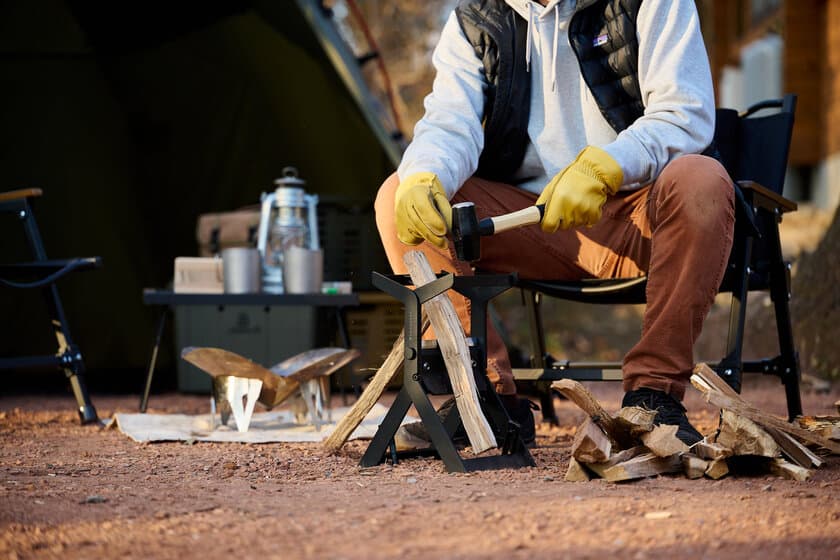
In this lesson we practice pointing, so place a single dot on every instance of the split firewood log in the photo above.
(694, 466)
(722, 395)
(745, 437)
(643, 466)
(577, 393)
(591, 444)
(615, 459)
(782, 468)
(718, 468)
(826, 426)
(711, 450)
(576, 472)
(635, 420)
(662, 441)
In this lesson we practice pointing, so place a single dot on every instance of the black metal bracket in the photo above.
(421, 377)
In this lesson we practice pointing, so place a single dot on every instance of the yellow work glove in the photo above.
(422, 210)
(574, 196)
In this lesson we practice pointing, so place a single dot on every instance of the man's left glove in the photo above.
(574, 196)
(422, 210)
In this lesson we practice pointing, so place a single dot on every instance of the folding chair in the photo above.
(754, 150)
(43, 273)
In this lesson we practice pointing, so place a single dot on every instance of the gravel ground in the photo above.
(71, 491)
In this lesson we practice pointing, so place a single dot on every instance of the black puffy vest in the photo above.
(603, 36)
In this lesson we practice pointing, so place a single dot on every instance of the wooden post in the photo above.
(456, 355)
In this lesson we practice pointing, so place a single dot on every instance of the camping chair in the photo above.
(43, 273)
(754, 150)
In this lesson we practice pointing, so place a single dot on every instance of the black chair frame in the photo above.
(754, 150)
(68, 356)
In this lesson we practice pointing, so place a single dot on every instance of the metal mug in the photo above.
(241, 270)
(303, 270)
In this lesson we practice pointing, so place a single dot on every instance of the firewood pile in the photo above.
(627, 446)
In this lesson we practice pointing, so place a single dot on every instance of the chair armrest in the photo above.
(19, 194)
(49, 271)
(767, 199)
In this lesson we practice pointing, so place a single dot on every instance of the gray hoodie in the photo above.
(674, 77)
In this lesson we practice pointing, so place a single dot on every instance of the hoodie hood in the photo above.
(526, 8)
(532, 11)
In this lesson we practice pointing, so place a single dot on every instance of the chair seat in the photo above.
(592, 290)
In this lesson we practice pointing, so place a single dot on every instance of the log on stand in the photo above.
(456, 355)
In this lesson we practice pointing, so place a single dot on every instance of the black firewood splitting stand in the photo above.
(424, 374)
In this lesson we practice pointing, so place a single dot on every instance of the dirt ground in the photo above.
(71, 491)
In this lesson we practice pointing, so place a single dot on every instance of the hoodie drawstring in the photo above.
(554, 54)
(528, 40)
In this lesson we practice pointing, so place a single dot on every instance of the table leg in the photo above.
(144, 400)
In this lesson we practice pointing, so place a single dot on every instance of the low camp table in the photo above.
(167, 299)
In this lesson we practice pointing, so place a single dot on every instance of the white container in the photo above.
(198, 275)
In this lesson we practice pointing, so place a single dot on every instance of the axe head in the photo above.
(465, 232)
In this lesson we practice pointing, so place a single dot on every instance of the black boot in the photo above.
(668, 411)
(521, 411)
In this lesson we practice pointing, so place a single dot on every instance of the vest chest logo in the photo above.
(600, 40)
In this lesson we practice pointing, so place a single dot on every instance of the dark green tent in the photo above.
(136, 117)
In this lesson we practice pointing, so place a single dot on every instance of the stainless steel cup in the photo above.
(241, 270)
(303, 270)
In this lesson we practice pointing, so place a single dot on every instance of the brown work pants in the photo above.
(677, 230)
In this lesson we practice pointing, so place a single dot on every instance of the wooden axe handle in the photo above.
(525, 217)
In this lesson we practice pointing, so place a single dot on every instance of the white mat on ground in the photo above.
(265, 427)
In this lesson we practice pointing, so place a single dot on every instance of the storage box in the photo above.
(373, 327)
(351, 244)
